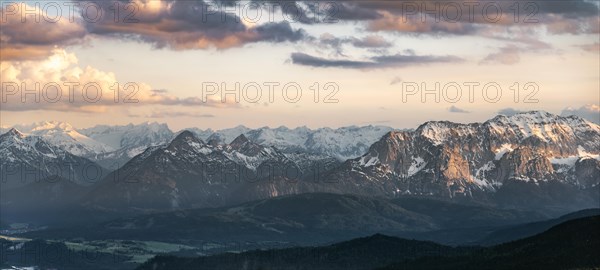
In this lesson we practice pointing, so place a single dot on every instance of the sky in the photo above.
(315, 64)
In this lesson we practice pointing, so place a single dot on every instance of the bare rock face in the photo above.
(586, 172)
(454, 168)
(525, 163)
(451, 160)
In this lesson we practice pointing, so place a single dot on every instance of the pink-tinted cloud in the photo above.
(58, 83)
(508, 55)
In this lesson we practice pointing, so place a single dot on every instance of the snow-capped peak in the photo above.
(546, 126)
(65, 136)
(130, 136)
(13, 132)
(47, 125)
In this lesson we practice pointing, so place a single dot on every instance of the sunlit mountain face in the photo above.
(180, 134)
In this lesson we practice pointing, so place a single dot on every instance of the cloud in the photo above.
(593, 48)
(308, 60)
(509, 111)
(159, 91)
(374, 10)
(172, 114)
(384, 61)
(34, 40)
(508, 55)
(576, 16)
(517, 41)
(65, 86)
(413, 24)
(354, 11)
(454, 109)
(440, 19)
(183, 25)
(338, 43)
(370, 41)
(178, 25)
(590, 112)
(396, 80)
(569, 25)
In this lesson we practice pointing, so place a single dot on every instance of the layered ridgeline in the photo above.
(109, 146)
(249, 237)
(66, 137)
(569, 245)
(305, 219)
(535, 158)
(188, 172)
(113, 146)
(126, 141)
(341, 143)
(28, 159)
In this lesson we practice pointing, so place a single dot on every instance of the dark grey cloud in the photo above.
(185, 25)
(311, 12)
(298, 13)
(372, 10)
(308, 60)
(278, 32)
(454, 109)
(385, 61)
(193, 25)
(567, 8)
(411, 59)
(352, 11)
(178, 25)
(371, 41)
(410, 17)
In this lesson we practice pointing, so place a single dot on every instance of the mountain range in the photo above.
(531, 161)
(113, 146)
(454, 184)
(187, 172)
(534, 158)
(28, 159)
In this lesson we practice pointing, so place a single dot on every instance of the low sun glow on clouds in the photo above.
(173, 48)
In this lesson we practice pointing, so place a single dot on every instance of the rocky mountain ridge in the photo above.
(451, 160)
